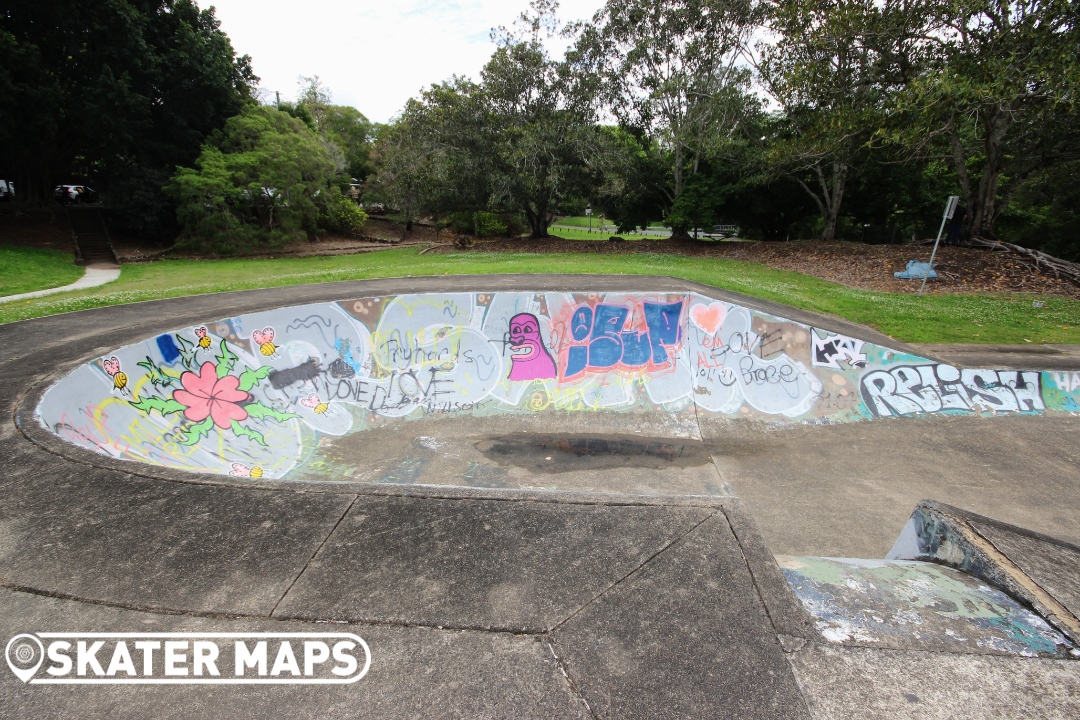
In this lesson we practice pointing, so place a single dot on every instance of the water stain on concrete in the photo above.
(569, 453)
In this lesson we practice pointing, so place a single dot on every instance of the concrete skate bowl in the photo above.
(501, 388)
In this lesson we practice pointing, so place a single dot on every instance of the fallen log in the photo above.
(1055, 265)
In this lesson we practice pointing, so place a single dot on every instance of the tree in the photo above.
(264, 179)
(546, 135)
(120, 90)
(825, 72)
(518, 141)
(315, 97)
(633, 175)
(670, 70)
(352, 132)
(998, 97)
(436, 157)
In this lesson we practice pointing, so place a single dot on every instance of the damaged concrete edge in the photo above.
(793, 625)
(941, 533)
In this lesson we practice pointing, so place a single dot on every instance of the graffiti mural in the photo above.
(913, 389)
(832, 348)
(602, 342)
(531, 359)
(255, 395)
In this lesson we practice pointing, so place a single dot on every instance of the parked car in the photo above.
(725, 231)
(7, 190)
(75, 194)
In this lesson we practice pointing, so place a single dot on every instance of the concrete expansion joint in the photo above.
(154, 610)
(932, 652)
(314, 554)
(285, 619)
(636, 569)
(516, 631)
(561, 665)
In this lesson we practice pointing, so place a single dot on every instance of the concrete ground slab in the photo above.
(415, 673)
(87, 533)
(494, 453)
(683, 637)
(520, 567)
(844, 683)
(1033, 356)
(847, 490)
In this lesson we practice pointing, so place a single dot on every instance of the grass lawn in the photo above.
(582, 221)
(934, 318)
(573, 234)
(25, 269)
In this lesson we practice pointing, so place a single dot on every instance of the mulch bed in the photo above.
(40, 231)
(867, 267)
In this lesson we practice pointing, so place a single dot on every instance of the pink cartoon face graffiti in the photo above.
(530, 359)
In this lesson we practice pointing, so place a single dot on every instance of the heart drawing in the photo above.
(708, 317)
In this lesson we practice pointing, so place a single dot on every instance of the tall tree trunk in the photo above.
(982, 201)
(833, 191)
(678, 174)
(538, 222)
(34, 188)
(829, 199)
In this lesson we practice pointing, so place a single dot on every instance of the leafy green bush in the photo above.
(342, 214)
(489, 224)
(479, 223)
(256, 183)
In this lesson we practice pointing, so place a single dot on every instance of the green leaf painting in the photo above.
(226, 359)
(198, 431)
(250, 378)
(156, 374)
(162, 405)
(262, 412)
(242, 431)
(188, 349)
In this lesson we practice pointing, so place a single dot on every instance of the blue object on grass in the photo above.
(915, 271)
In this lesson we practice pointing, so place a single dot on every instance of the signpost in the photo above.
(588, 211)
(950, 208)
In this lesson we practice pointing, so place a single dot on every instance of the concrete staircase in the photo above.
(92, 243)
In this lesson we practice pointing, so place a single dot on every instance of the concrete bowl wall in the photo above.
(264, 394)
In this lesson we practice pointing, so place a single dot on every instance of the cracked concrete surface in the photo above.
(614, 593)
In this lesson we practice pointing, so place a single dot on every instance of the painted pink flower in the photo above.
(206, 394)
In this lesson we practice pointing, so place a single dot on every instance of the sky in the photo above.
(371, 54)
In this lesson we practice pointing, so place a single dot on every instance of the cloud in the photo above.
(373, 55)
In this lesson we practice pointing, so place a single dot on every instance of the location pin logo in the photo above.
(24, 656)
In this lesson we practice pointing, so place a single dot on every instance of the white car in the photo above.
(74, 193)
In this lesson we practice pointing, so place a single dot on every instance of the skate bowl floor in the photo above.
(532, 496)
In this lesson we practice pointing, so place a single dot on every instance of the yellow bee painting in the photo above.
(242, 470)
(265, 340)
(318, 406)
(120, 378)
(204, 341)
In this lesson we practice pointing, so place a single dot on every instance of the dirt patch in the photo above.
(378, 234)
(37, 230)
(867, 267)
